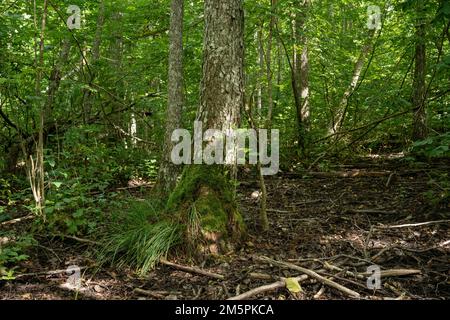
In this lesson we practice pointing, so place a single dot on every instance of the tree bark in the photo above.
(204, 198)
(419, 88)
(269, 65)
(168, 172)
(300, 84)
(35, 168)
(87, 94)
(342, 107)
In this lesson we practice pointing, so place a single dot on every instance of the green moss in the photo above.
(212, 213)
(206, 190)
(193, 178)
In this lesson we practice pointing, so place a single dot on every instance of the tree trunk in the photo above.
(419, 95)
(300, 82)
(204, 198)
(87, 94)
(36, 173)
(269, 66)
(342, 107)
(259, 36)
(55, 77)
(168, 172)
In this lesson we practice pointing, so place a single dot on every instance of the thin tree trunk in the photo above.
(36, 168)
(168, 172)
(342, 107)
(269, 72)
(304, 71)
(419, 88)
(259, 36)
(55, 77)
(87, 94)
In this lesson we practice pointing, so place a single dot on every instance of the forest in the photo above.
(224, 150)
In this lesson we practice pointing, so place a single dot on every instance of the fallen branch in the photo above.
(45, 273)
(370, 211)
(268, 287)
(413, 224)
(395, 273)
(312, 274)
(155, 294)
(192, 269)
(383, 273)
(260, 276)
(339, 174)
(82, 240)
(28, 217)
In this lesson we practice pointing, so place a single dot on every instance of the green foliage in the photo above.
(139, 237)
(12, 251)
(438, 194)
(5, 191)
(433, 147)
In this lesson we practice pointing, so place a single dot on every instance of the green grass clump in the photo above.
(138, 238)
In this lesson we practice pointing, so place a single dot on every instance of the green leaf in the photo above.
(78, 214)
(57, 184)
(292, 285)
(51, 162)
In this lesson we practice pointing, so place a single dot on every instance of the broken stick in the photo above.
(268, 287)
(192, 269)
(312, 274)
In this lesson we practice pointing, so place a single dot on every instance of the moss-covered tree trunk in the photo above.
(204, 197)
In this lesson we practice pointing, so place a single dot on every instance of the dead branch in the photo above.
(312, 274)
(364, 275)
(192, 269)
(413, 224)
(13, 221)
(370, 211)
(268, 287)
(44, 273)
(155, 294)
(260, 276)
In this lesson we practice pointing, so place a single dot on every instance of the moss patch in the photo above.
(204, 201)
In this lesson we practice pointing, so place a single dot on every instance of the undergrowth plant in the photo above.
(139, 237)
(13, 251)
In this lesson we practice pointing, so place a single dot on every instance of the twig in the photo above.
(395, 272)
(82, 240)
(388, 182)
(192, 269)
(320, 292)
(414, 224)
(268, 287)
(155, 294)
(28, 217)
(443, 244)
(370, 211)
(260, 276)
(44, 273)
(312, 274)
(383, 273)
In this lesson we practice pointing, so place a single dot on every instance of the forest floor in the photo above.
(337, 223)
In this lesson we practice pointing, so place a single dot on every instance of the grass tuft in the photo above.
(139, 238)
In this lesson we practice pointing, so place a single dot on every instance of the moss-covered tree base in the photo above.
(204, 202)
